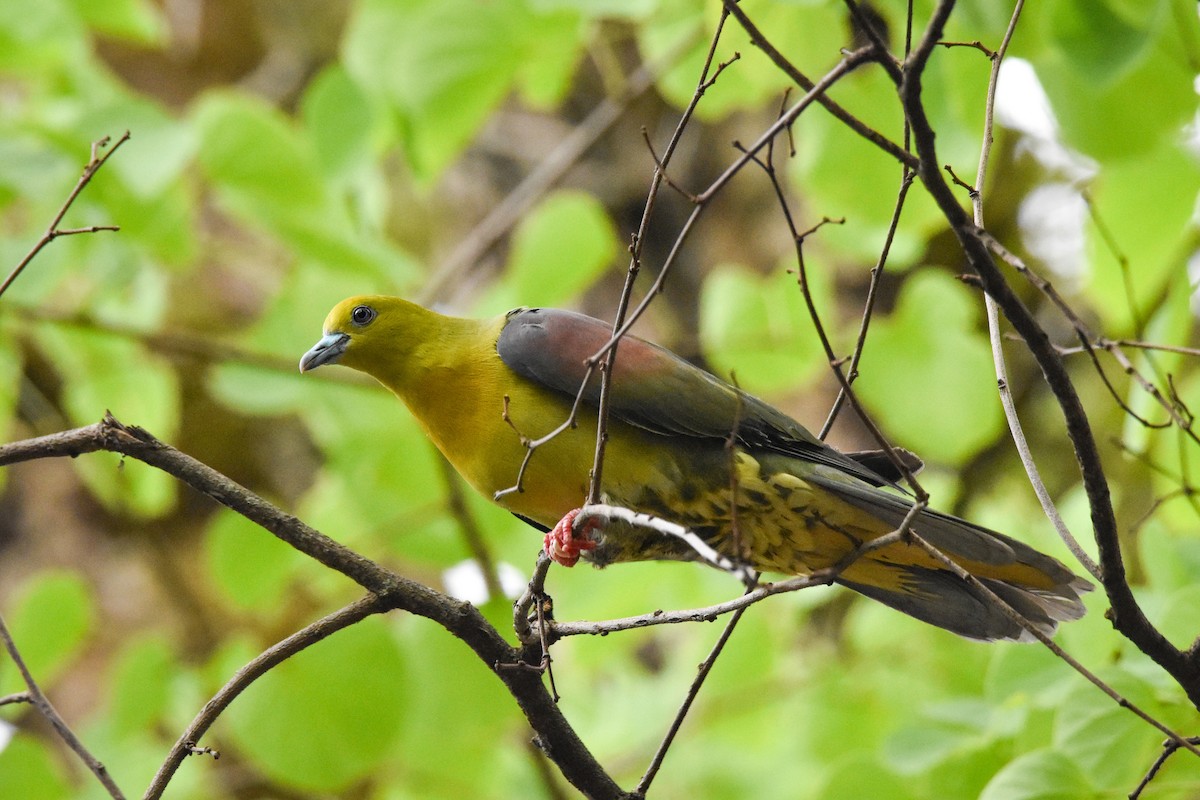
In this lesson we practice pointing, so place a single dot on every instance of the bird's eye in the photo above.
(361, 315)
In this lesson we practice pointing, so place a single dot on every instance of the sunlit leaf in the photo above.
(558, 251)
(759, 329)
(30, 770)
(248, 563)
(49, 623)
(927, 375)
(98, 376)
(328, 715)
(1039, 775)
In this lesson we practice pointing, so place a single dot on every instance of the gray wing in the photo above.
(656, 390)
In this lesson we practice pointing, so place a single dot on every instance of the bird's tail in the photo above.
(905, 577)
(941, 598)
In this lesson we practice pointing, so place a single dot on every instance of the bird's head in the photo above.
(360, 332)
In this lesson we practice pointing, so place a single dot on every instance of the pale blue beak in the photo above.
(326, 351)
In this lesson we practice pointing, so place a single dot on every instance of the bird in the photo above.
(682, 445)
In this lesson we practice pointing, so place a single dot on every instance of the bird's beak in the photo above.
(326, 351)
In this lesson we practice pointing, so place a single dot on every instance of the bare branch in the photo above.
(1126, 613)
(461, 619)
(35, 696)
(901, 154)
(1006, 399)
(259, 666)
(1170, 746)
(693, 691)
(99, 157)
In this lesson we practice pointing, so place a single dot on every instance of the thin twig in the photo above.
(800, 79)
(757, 592)
(620, 326)
(534, 592)
(982, 590)
(47, 710)
(561, 630)
(1169, 748)
(1085, 336)
(976, 44)
(993, 318)
(850, 61)
(693, 691)
(99, 157)
(185, 745)
(1104, 344)
(637, 519)
(835, 363)
(863, 23)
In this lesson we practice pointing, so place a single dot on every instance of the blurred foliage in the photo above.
(286, 154)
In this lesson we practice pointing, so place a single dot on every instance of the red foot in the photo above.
(563, 546)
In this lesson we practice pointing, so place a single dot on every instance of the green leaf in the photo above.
(135, 20)
(559, 250)
(444, 65)
(967, 773)
(252, 566)
(268, 174)
(1106, 742)
(44, 36)
(249, 147)
(339, 119)
(1145, 204)
(922, 747)
(329, 715)
(555, 42)
(759, 328)
(1027, 674)
(49, 621)
(140, 684)
(380, 477)
(29, 770)
(865, 777)
(927, 375)
(1097, 39)
(98, 375)
(454, 684)
(1130, 89)
(1039, 775)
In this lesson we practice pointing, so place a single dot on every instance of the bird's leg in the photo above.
(563, 546)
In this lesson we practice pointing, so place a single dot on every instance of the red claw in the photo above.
(563, 546)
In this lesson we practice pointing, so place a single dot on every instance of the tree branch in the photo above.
(42, 703)
(99, 157)
(1126, 614)
(555, 735)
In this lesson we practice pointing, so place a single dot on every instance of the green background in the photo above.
(287, 154)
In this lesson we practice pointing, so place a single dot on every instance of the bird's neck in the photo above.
(444, 361)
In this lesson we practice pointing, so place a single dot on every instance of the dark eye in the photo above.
(361, 315)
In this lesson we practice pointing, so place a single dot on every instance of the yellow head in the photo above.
(371, 333)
